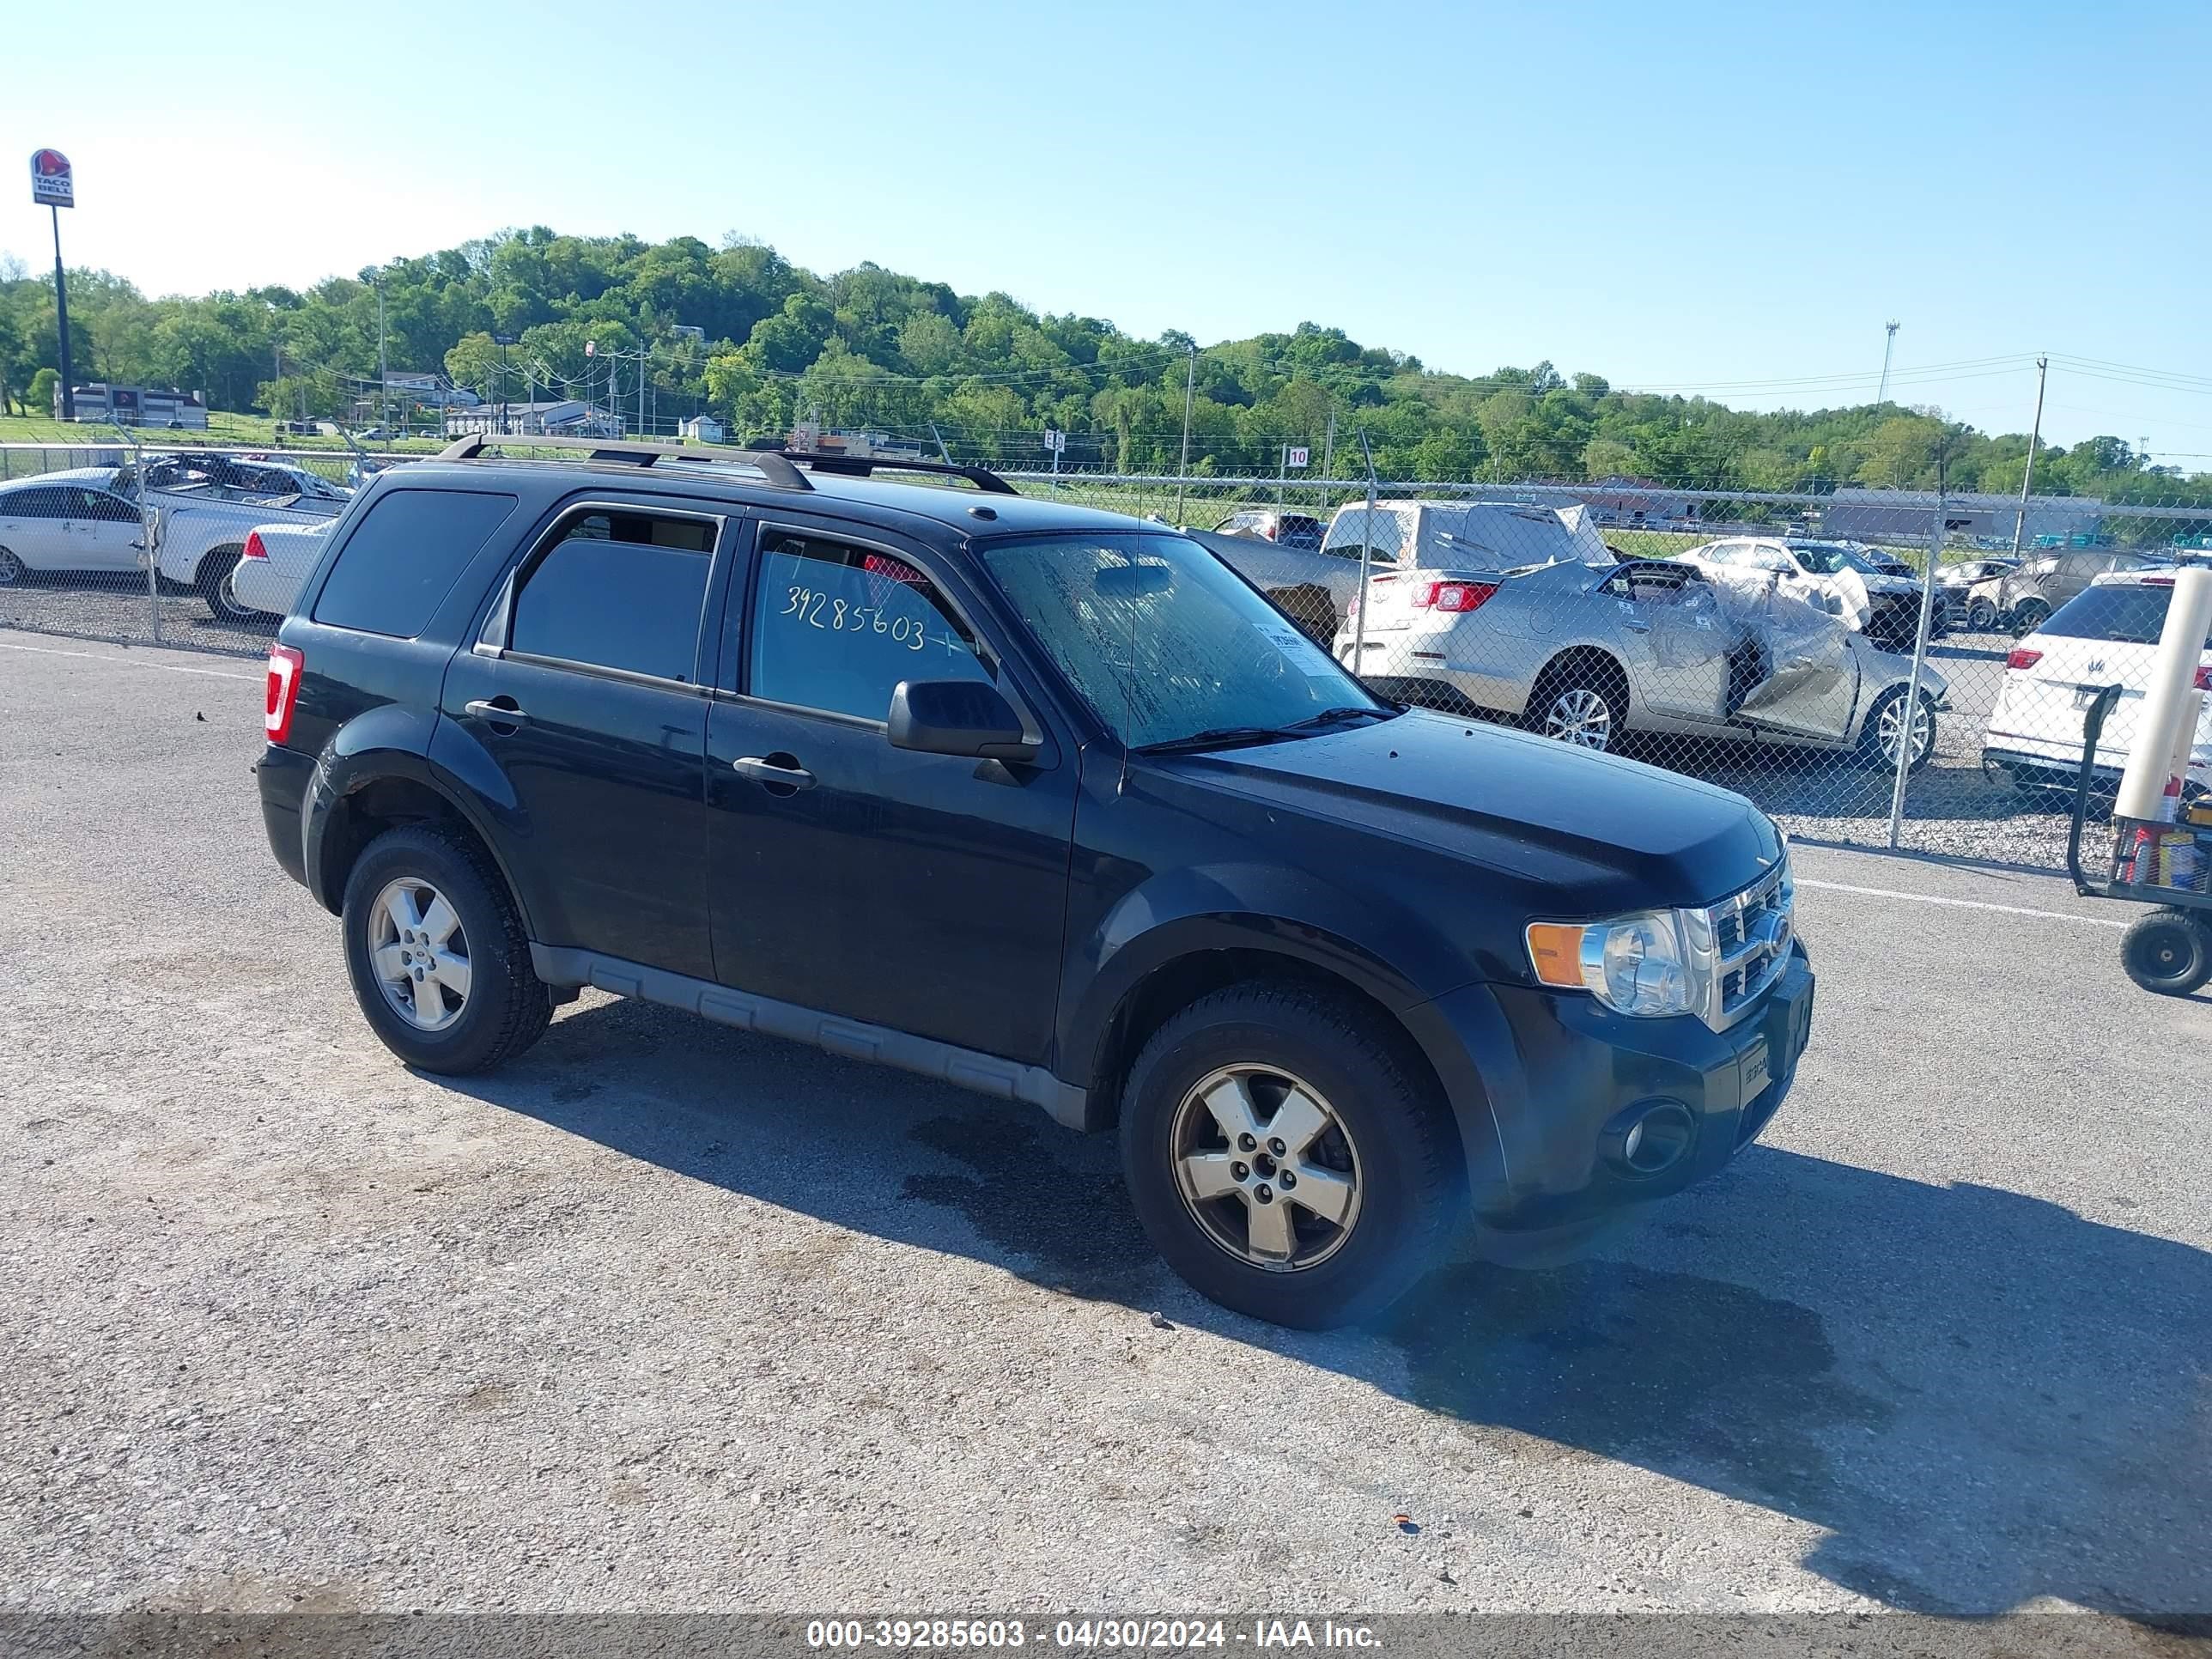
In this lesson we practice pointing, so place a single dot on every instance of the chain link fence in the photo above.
(1788, 646)
(151, 543)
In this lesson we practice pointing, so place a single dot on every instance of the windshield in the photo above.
(1827, 561)
(1164, 642)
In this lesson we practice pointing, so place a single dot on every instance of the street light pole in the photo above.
(383, 369)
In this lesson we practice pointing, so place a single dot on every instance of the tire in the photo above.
(213, 581)
(2029, 615)
(1387, 1151)
(500, 1006)
(1877, 748)
(2168, 951)
(12, 570)
(1981, 617)
(1581, 701)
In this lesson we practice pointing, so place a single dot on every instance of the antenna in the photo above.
(1888, 345)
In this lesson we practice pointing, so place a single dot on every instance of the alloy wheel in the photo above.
(11, 568)
(1580, 716)
(1266, 1168)
(419, 953)
(1889, 729)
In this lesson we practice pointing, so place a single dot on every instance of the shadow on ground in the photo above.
(1982, 1397)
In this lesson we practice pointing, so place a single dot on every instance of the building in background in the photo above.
(137, 405)
(570, 417)
(1906, 516)
(701, 429)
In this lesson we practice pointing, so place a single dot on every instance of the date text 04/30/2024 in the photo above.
(1088, 1634)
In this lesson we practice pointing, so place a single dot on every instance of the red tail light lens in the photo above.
(254, 549)
(2021, 657)
(2204, 677)
(286, 665)
(1454, 596)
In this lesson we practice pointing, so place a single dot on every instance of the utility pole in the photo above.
(1888, 344)
(1189, 388)
(1328, 443)
(383, 368)
(2034, 433)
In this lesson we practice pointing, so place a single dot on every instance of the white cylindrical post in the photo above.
(2170, 702)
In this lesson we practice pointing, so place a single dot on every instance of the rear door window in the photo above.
(617, 589)
(404, 557)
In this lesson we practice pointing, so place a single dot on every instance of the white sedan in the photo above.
(275, 560)
(67, 524)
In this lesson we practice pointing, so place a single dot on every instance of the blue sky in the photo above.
(1723, 197)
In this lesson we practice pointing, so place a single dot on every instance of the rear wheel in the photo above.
(1287, 1156)
(2168, 951)
(1582, 701)
(1981, 617)
(2029, 615)
(11, 568)
(437, 954)
(214, 584)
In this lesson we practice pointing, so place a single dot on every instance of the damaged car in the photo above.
(1864, 591)
(1588, 652)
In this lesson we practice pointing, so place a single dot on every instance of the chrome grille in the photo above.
(1746, 940)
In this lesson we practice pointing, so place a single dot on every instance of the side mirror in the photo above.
(957, 717)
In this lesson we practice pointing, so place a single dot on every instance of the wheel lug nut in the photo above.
(1289, 1181)
(1277, 1147)
(1242, 1171)
(1245, 1143)
(1264, 1194)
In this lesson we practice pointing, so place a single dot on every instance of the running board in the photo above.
(987, 1074)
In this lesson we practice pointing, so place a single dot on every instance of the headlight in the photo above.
(1641, 964)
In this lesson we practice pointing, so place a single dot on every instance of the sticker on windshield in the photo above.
(1300, 650)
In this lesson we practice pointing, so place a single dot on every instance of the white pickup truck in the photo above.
(209, 504)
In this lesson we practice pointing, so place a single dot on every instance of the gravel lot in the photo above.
(669, 1316)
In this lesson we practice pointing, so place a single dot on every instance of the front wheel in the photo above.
(1286, 1155)
(11, 568)
(1981, 617)
(1884, 731)
(2029, 615)
(2168, 951)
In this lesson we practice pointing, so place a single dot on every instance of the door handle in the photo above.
(499, 710)
(1637, 626)
(767, 771)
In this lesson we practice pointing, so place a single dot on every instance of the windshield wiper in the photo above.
(1217, 737)
(1338, 716)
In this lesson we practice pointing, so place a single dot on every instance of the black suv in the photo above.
(1046, 802)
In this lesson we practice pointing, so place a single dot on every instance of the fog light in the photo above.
(1649, 1138)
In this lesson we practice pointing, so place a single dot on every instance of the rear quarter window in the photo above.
(404, 557)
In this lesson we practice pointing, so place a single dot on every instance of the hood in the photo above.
(1614, 834)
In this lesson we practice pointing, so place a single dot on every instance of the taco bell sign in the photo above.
(53, 184)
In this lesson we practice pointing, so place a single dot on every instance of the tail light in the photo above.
(1454, 596)
(286, 665)
(2204, 677)
(2020, 657)
(254, 549)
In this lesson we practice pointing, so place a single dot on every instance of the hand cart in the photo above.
(2167, 949)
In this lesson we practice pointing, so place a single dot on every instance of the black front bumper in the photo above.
(1575, 1068)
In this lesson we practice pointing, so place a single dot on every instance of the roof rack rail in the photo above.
(859, 466)
(772, 466)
